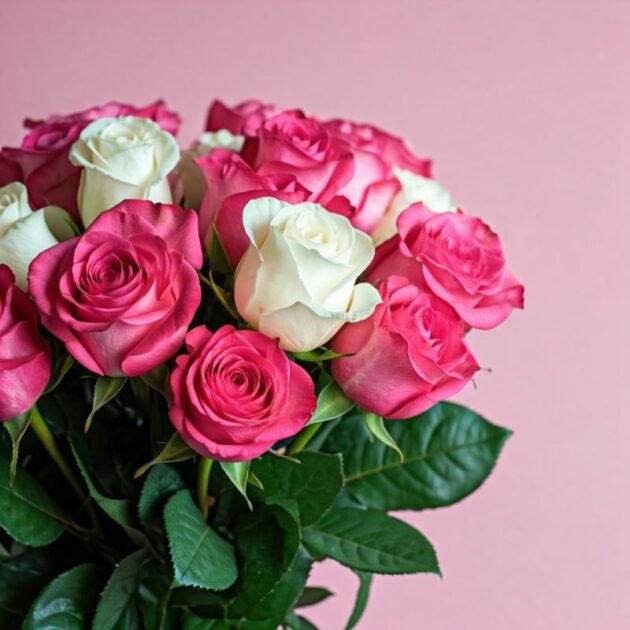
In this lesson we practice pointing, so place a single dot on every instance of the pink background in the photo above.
(525, 107)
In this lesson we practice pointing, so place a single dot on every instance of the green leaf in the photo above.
(16, 429)
(376, 427)
(365, 583)
(312, 486)
(296, 622)
(331, 403)
(27, 513)
(135, 596)
(106, 389)
(449, 451)
(61, 368)
(175, 450)
(313, 595)
(371, 541)
(238, 474)
(158, 380)
(226, 299)
(200, 556)
(216, 253)
(161, 484)
(67, 601)
(317, 355)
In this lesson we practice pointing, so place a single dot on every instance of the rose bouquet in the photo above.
(221, 365)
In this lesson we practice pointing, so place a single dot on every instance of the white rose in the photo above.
(296, 282)
(23, 233)
(122, 158)
(192, 184)
(414, 189)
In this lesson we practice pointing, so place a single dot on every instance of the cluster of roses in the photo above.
(107, 225)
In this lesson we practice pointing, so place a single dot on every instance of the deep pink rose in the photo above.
(236, 393)
(292, 144)
(461, 260)
(244, 118)
(42, 159)
(409, 355)
(24, 355)
(373, 185)
(231, 183)
(122, 295)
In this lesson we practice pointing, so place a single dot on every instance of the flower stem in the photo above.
(303, 438)
(204, 468)
(38, 424)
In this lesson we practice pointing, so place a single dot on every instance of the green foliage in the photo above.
(106, 389)
(331, 403)
(16, 429)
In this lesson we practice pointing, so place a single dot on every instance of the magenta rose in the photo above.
(235, 394)
(292, 144)
(24, 355)
(122, 295)
(243, 119)
(460, 259)
(409, 355)
(42, 163)
(231, 183)
(373, 185)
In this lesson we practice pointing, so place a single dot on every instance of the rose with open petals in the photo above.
(409, 355)
(122, 295)
(231, 184)
(458, 257)
(243, 119)
(235, 394)
(24, 355)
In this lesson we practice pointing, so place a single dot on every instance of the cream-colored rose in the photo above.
(122, 158)
(23, 233)
(414, 189)
(296, 282)
(191, 185)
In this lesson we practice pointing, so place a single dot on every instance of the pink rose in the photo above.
(231, 183)
(460, 259)
(409, 355)
(292, 144)
(236, 394)
(243, 119)
(24, 355)
(43, 161)
(122, 295)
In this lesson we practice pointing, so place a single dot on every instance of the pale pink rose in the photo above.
(122, 295)
(235, 394)
(458, 257)
(231, 183)
(243, 119)
(409, 355)
(24, 355)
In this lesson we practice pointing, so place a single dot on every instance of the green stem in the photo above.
(204, 468)
(38, 424)
(303, 438)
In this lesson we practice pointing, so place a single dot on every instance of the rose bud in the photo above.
(24, 355)
(235, 394)
(122, 295)
(409, 355)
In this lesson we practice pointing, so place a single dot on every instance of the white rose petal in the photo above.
(24, 234)
(122, 158)
(415, 188)
(296, 282)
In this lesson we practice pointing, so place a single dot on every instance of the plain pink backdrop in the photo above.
(525, 107)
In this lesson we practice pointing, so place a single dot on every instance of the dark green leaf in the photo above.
(200, 556)
(67, 601)
(216, 253)
(313, 595)
(365, 583)
(135, 596)
(175, 450)
(62, 366)
(311, 485)
(317, 355)
(162, 482)
(296, 622)
(16, 429)
(106, 389)
(376, 426)
(158, 380)
(449, 451)
(238, 474)
(27, 513)
(331, 403)
(371, 541)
